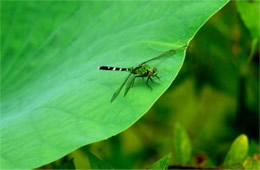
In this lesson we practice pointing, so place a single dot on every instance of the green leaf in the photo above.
(182, 146)
(163, 163)
(237, 153)
(96, 163)
(249, 11)
(54, 99)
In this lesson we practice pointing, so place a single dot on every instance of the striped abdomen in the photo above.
(113, 68)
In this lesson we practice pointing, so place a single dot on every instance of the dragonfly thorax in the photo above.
(144, 70)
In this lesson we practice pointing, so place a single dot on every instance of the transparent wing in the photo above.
(166, 54)
(120, 88)
(129, 85)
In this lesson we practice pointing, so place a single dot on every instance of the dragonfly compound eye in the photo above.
(154, 70)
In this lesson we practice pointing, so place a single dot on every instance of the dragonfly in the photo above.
(140, 71)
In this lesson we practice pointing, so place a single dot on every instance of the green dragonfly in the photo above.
(141, 71)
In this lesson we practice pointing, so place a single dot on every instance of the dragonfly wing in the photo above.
(129, 85)
(120, 88)
(166, 54)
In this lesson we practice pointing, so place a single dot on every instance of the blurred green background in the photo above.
(215, 98)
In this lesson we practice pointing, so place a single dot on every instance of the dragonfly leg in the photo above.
(151, 79)
(147, 82)
(157, 77)
(132, 83)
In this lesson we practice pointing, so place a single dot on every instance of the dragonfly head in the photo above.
(153, 71)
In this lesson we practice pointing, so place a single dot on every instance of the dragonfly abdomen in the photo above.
(113, 68)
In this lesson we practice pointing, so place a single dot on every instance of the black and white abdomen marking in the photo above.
(113, 68)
